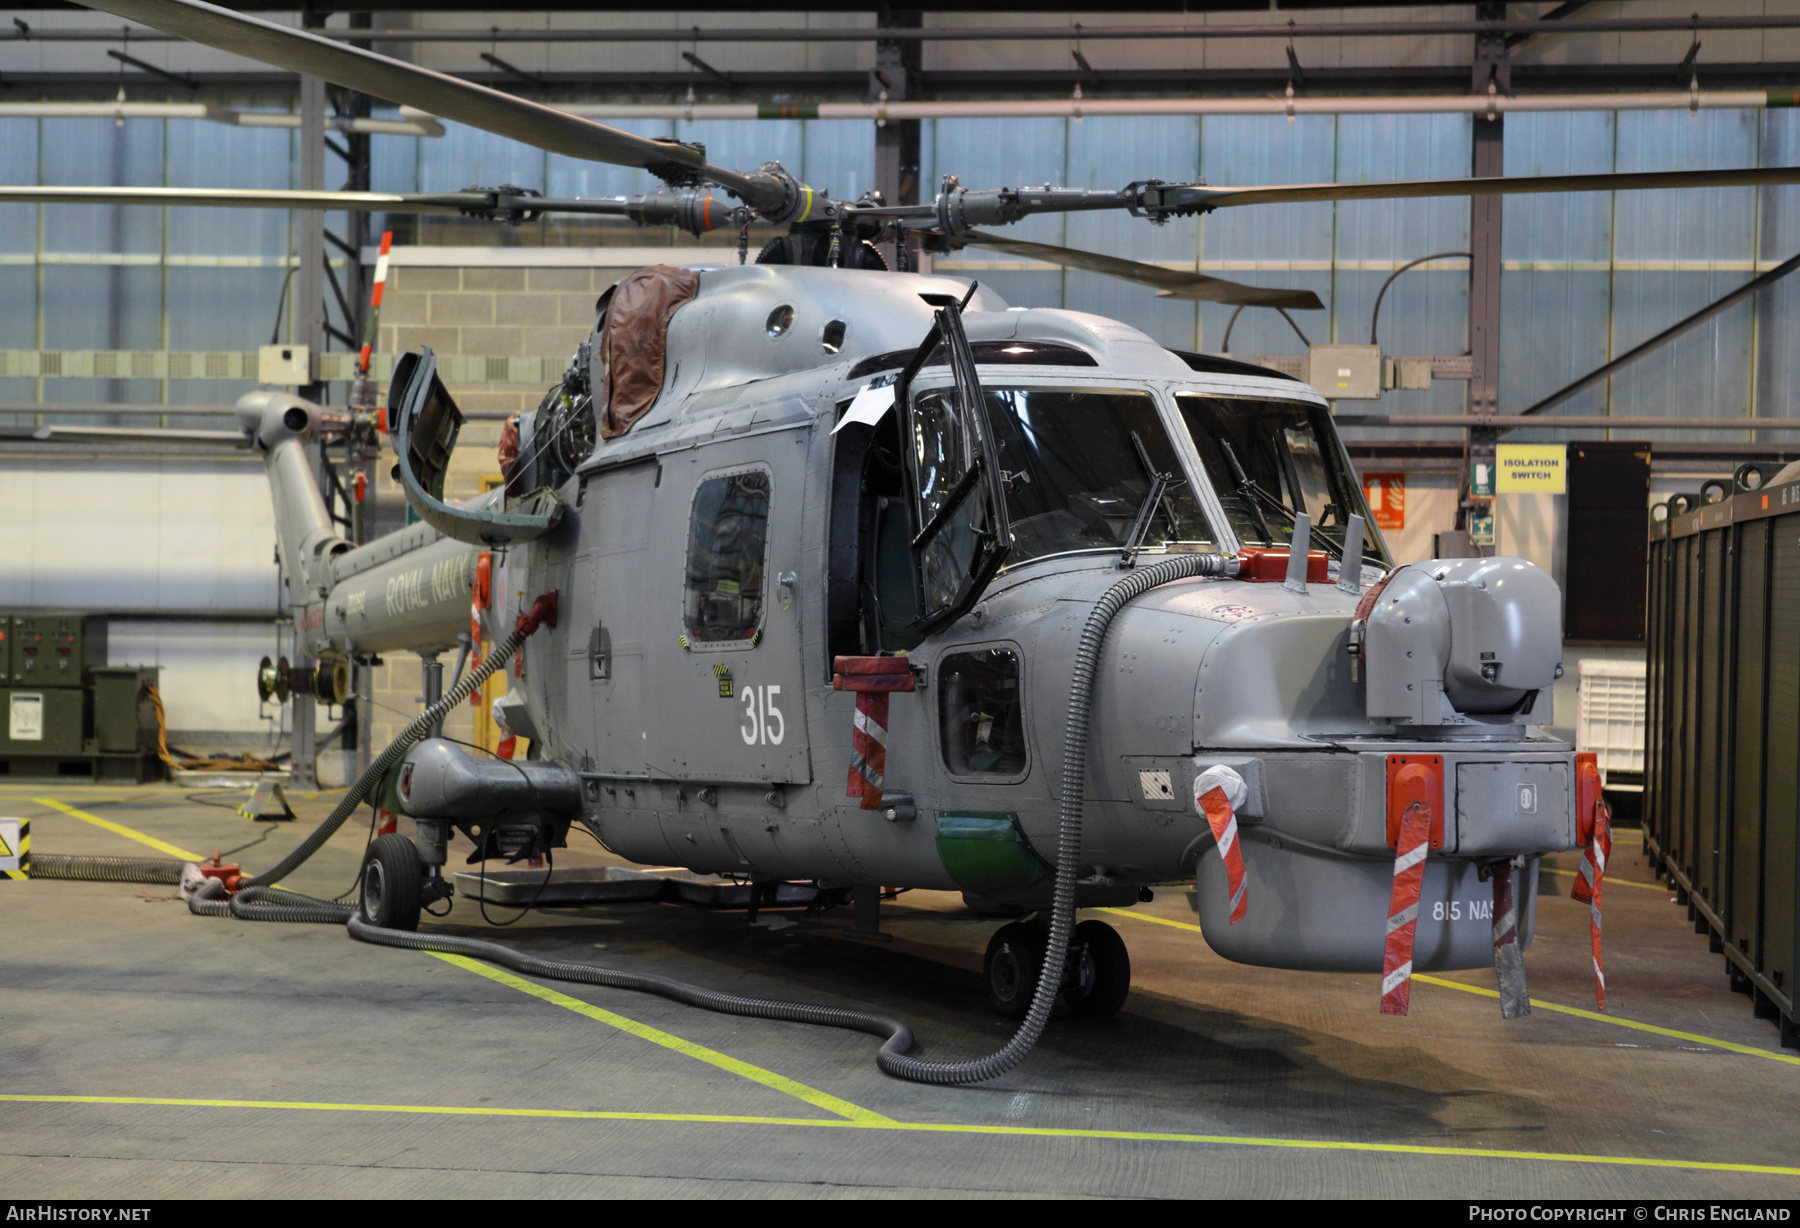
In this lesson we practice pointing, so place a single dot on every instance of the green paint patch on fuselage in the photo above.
(986, 852)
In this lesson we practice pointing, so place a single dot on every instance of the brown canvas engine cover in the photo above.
(634, 340)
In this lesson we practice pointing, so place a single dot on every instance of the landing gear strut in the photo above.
(1096, 974)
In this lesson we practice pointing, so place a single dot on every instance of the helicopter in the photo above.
(819, 570)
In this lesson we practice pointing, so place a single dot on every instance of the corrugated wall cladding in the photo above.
(1586, 276)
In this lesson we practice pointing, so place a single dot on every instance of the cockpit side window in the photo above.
(727, 545)
(981, 714)
(1269, 460)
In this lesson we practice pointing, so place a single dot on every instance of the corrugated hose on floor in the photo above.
(542, 611)
(106, 869)
(256, 902)
(899, 1037)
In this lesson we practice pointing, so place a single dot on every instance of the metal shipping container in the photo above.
(1722, 764)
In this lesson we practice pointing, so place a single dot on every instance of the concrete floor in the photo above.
(148, 1053)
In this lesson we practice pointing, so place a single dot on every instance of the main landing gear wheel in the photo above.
(1096, 978)
(1014, 956)
(392, 884)
(1102, 971)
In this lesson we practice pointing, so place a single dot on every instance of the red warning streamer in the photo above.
(872, 678)
(381, 272)
(1509, 957)
(1587, 890)
(868, 749)
(1217, 808)
(1403, 907)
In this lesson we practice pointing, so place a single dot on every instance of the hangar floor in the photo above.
(147, 1053)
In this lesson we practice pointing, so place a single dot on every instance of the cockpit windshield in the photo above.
(1078, 465)
(1269, 460)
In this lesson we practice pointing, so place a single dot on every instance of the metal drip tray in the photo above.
(588, 885)
(711, 891)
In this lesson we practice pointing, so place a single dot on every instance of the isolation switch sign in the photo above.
(25, 718)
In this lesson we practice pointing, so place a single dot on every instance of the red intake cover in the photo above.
(1415, 778)
(1587, 796)
(879, 674)
(1267, 565)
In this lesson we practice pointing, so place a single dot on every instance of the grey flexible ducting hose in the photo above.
(892, 1058)
(422, 725)
(106, 869)
(899, 1037)
(210, 899)
(1068, 851)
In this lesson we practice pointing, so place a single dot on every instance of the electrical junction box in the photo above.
(51, 721)
(124, 716)
(52, 649)
(1413, 373)
(1347, 372)
(290, 365)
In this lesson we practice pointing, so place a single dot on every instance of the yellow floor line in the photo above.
(1633, 1024)
(929, 1127)
(1610, 883)
(1536, 1003)
(1141, 916)
(161, 846)
(756, 1074)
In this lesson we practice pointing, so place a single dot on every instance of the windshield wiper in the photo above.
(1140, 524)
(1247, 489)
(1150, 471)
(1256, 497)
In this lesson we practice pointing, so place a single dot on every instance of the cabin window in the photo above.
(981, 717)
(727, 542)
(832, 339)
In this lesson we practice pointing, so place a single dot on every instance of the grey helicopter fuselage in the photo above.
(731, 755)
(714, 561)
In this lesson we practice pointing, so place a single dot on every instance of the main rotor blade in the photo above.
(964, 209)
(123, 434)
(1505, 185)
(475, 202)
(371, 202)
(444, 96)
(1169, 283)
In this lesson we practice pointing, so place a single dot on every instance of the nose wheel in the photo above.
(1096, 973)
(393, 881)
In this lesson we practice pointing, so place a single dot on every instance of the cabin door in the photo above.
(725, 691)
(617, 509)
